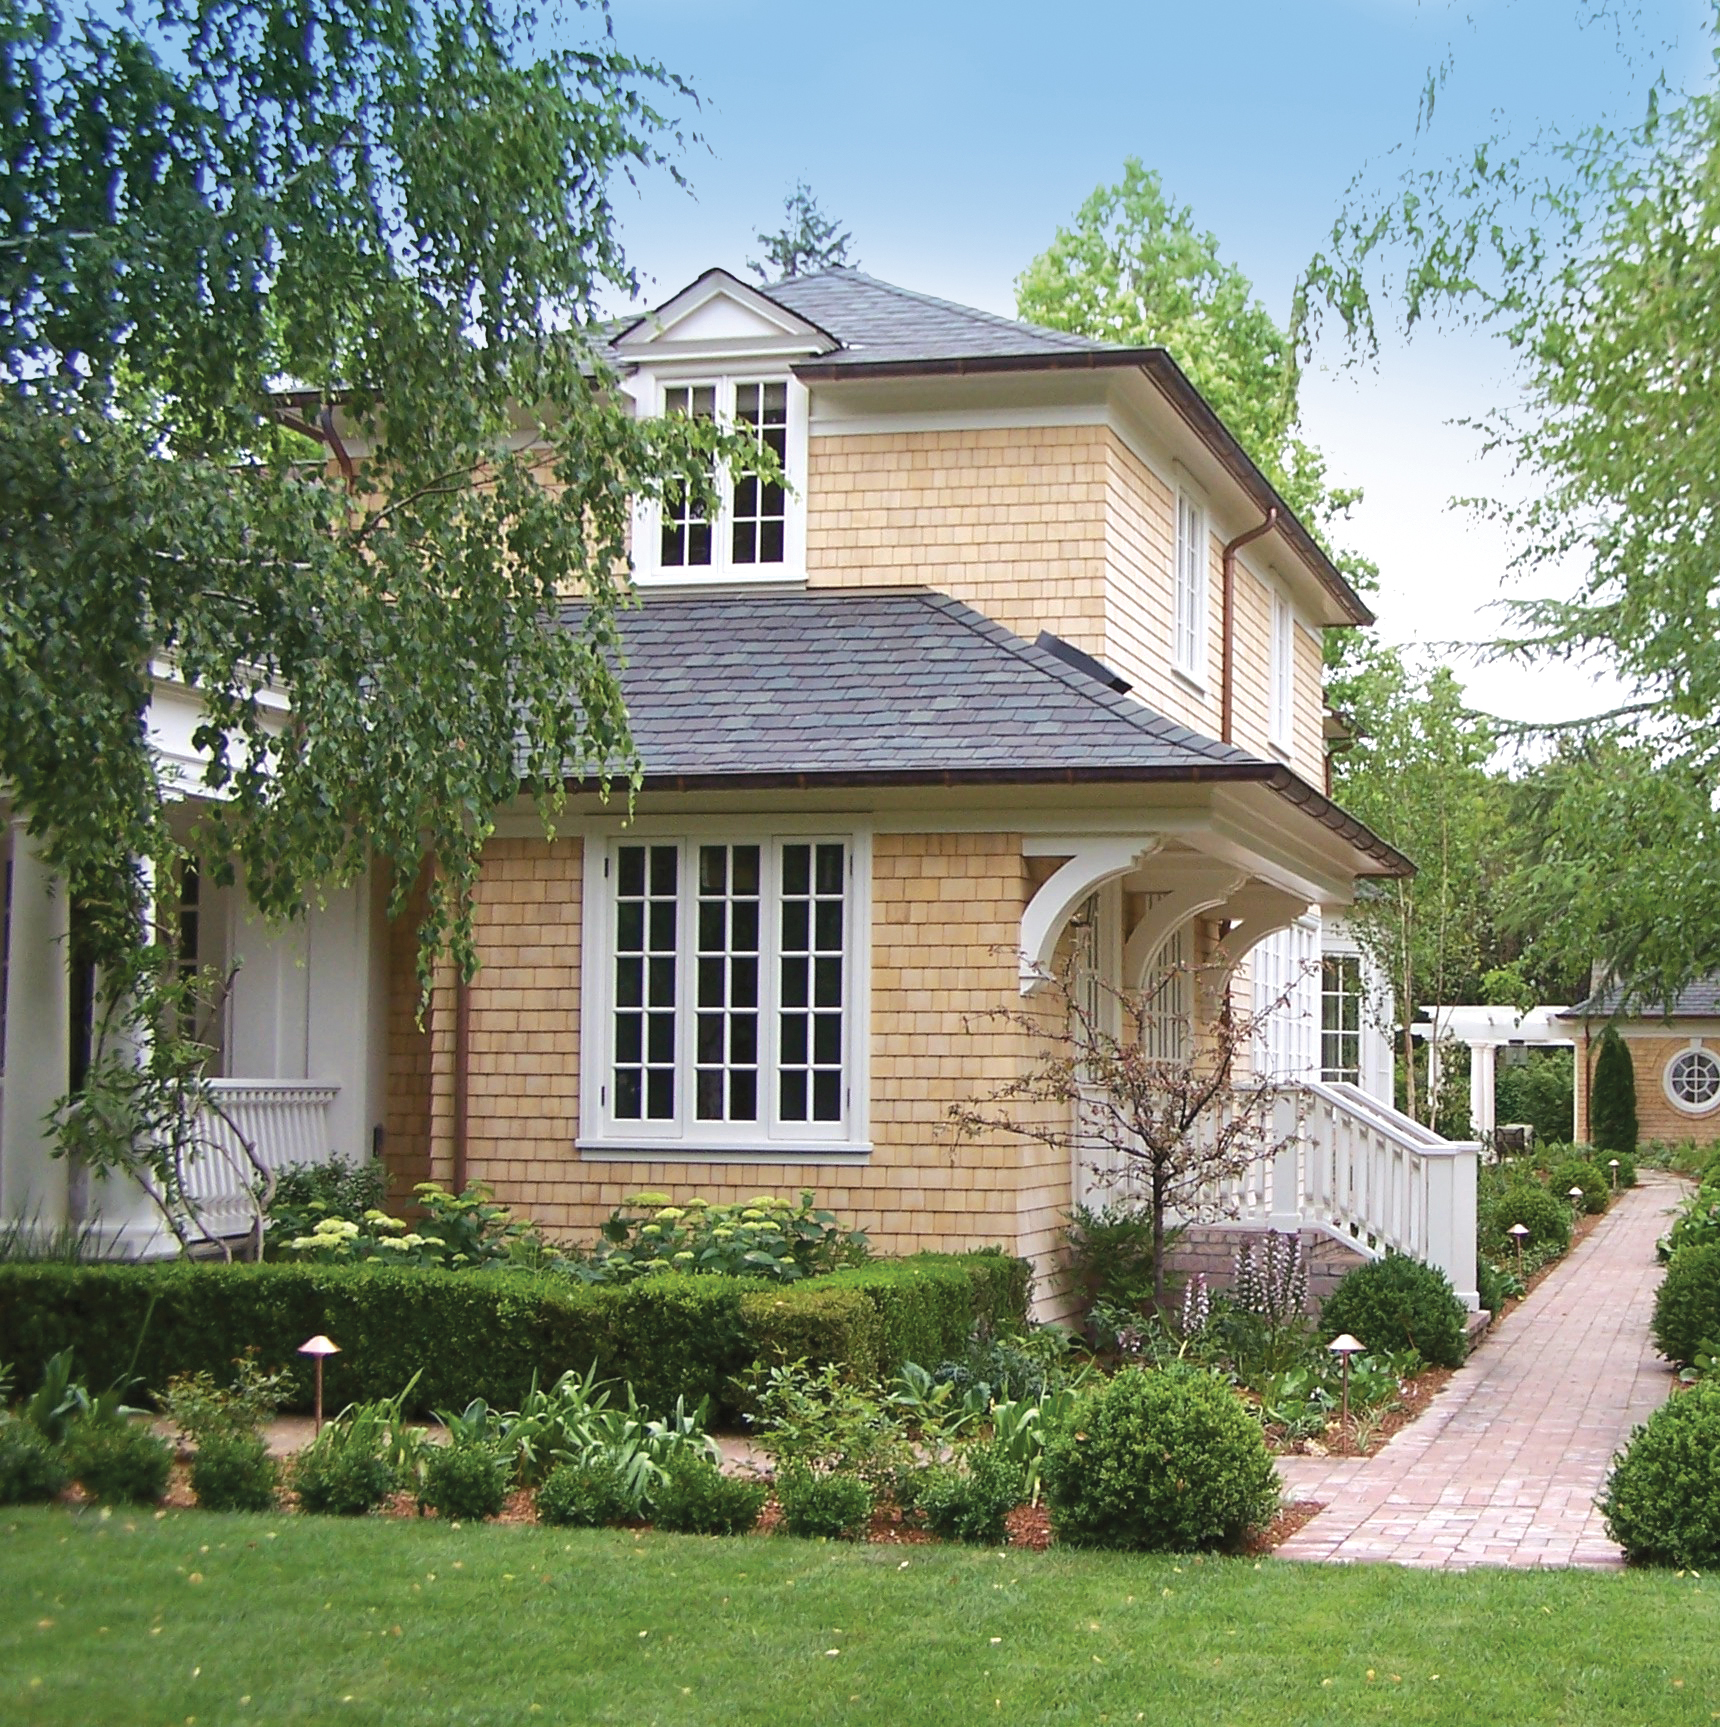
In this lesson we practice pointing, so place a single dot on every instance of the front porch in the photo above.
(298, 1055)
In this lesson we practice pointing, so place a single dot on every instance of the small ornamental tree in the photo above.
(1612, 1101)
(1171, 1128)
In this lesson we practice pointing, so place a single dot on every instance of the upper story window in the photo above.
(1188, 582)
(1281, 702)
(753, 530)
(721, 1005)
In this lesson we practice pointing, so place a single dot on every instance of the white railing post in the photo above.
(1451, 1216)
(1289, 1128)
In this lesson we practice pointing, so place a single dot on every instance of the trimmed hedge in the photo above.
(483, 1334)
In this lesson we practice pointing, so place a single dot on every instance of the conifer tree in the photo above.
(1612, 1099)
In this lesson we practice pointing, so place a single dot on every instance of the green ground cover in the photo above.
(196, 1617)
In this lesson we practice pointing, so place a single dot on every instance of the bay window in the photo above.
(722, 998)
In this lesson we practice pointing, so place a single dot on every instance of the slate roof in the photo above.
(877, 322)
(899, 687)
(1698, 1000)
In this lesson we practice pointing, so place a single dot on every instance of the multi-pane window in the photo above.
(1693, 1078)
(731, 1016)
(761, 506)
(743, 527)
(647, 932)
(1168, 1023)
(1282, 714)
(1341, 1018)
(1189, 588)
(687, 540)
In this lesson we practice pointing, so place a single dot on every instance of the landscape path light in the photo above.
(318, 1347)
(1344, 1346)
(1519, 1233)
(1612, 1164)
(1575, 1196)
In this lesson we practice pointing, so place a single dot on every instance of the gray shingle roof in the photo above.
(898, 686)
(877, 321)
(1698, 1000)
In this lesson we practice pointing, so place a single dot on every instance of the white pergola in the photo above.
(1485, 1030)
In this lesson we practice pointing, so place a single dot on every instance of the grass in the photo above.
(190, 1617)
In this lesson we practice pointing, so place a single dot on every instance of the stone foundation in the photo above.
(1210, 1250)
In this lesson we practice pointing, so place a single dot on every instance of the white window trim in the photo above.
(1281, 659)
(649, 390)
(602, 1139)
(1193, 665)
(1672, 1097)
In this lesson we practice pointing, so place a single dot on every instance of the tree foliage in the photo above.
(1167, 1130)
(807, 241)
(1597, 259)
(1418, 774)
(1134, 268)
(300, 407)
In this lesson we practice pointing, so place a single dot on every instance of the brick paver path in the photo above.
(1503, 1468)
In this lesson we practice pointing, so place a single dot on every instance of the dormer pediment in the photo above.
(719, 317)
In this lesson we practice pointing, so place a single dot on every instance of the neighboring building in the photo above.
(1025, 663)
(1675, 1054)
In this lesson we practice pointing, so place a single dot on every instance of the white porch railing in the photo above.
(1354, 1168)
(284, 1121)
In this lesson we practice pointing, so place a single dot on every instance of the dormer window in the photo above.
(722, 351)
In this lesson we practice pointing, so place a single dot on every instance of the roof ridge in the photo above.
(1143, 718)
(1080, 343)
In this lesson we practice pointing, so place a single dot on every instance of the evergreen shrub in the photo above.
(695, 1497)
(121, 1462)
(1662, 1500)
(466, 1481)
(585, 1496)
(1687, 1304)
(1547, 1219)
(234, 1472)
(1590, 1177)
(487, 1334)
(1612, 1097)
(834, 1507)
(335, 1478)
(1398, 1303)
(1167, 1459)
(970, 1499)
(32, 1467)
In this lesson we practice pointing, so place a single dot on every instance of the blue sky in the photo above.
(953, 138)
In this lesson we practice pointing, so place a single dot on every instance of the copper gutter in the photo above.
(1226, 696)
(462, 1077)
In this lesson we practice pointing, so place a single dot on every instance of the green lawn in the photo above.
(190, 1616)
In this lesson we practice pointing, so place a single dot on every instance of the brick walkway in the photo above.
(1503, 1468)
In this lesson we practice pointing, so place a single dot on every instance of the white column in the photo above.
(33, 1183)
(1483, 1058)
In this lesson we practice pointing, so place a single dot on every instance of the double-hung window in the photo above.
(722, 1001)
(747, 532)
(1188, 585)
(1281, 706)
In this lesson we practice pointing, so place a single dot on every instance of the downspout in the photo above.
(1226, 696)
(462, 1065)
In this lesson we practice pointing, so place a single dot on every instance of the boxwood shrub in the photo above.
(485, 1334)
(1398, 1303)
(1662, 1500)
(1687, 1304)
(1167, 1459)
(1547, 1219)
(1589, 1177)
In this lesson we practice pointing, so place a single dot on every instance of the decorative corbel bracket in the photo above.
(1092, 861)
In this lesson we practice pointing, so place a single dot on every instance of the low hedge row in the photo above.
(475, 1334)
